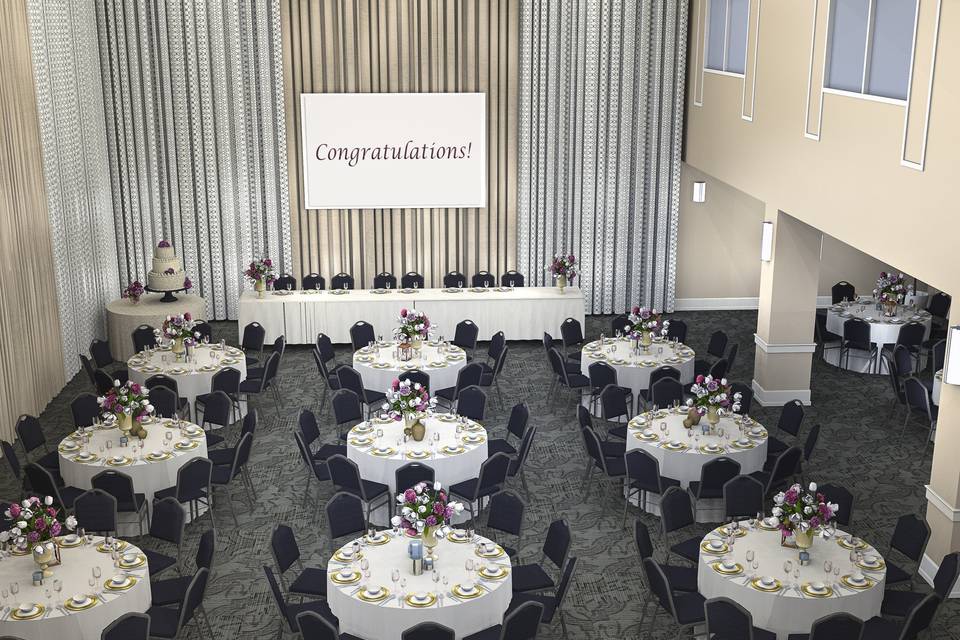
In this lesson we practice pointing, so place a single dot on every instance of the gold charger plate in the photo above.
(361, 442)
(504, 572)
(737, 445)
(843, 542)
(458, 539)
(496, 553)
(418, 455)
(339, 557)
(139, 562)
(719, 551)
(93, 458)
(103, 548)
(725, 531)
(109, 586)
(458, 591)
(880, 566)
(431, 599)
(866, 584)
(62, 542)
(389, 451)
(122, 463)
(186, 447)
(712, 452)
(15, 614)
(452, 451)
(682, 447)
(160, 458)
(652, 437)
(718, 567)
(759, 586)
(384, 592)
(808, 591)
(376, 542)
(336, 578)
(70, 605)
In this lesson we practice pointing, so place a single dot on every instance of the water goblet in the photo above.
(787, 568)
(796, 576)
(92, 582)
(827, 568)
(290, 287)
(57, 587)
(97, 572)
(14, 589)
(5, 594)
(435, 577)
(395, 577)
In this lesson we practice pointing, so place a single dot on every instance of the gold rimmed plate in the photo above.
(460, 592)
(707, 547)
(342, 577)
(119, 462)
(734, 570)
(36, 613)
(340, 557)
(361, 441)
(757, 583)
(68, 544)
(418, 455)
(427, 600)
(152, 457)
(739, 532)
(73, 605)
(132, 564)
(378, 539)
(384, 452)
(452, 450)
(674, 446)
(711, 450)
(808, 590)
(103, 548)
(648, 437)
(362, 428)
(880, 566)
(848, 581)
(458, 536)
(92, 457)
(473, 439)
(186, 446)
(767, 526)
(494, 573)
(129, 581)
(366, 596)
(743, 445)
(845, 543)
(495, 553)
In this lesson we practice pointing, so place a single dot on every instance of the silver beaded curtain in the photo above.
(193, 100)
(601, 116)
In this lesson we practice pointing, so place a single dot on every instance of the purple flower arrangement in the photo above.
(890, 288)
(261, 271)
(424, 506)
(563, 266)
(35, 521)
(187, 284)
(407, 397)
(645, 320)
(414, 325)
(708, 392)
(130, 398)
(179, 326)
(133, 291)
(163, 244)
(800, 509)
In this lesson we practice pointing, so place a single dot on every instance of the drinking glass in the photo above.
(787, 568)
(827, 568)
(395, 577)
(97, 572)
(796, 576)
(5, 594)
(750, 555)
(364, 564)
(58, 587)
(14, 589)
(468, 565)
(435, 577)
(290, 287)
(91, 582)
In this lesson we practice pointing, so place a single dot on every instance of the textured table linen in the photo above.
(123, 317)
(883, 331)
(633, 371)
(388, 620)
(379, 367)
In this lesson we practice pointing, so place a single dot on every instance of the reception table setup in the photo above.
(420, 570)
(124, 315)
(522, 313)
(788, 578)
(634, 364)
(383, 362)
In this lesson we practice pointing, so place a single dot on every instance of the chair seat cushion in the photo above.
(578, 380)
(613, 449)
(681, 578)
(171, 492)
(373, 397)
(221, 474)
(465, 489)
(705, 492)
(616, 467)
(169, 591)
(255, 373)
(499, 445)
(213, 439)
(138, 501)
(69, 494)
(250, 386)
(251, 360)
(896, 575)
(776, 446)
(618, 432)
(50, 460)
(898, 603)
(878, 628)
(222, 456)
(446, 394)
(329, 449)
(158, 561)
(163, 621)
(689, 607)
(531, 577)
(688, 549)
(571, 366)
(311, 582)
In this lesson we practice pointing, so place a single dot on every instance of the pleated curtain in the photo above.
(601, 116)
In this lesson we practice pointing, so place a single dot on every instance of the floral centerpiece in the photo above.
(413, 328)
(713, 398)
(133, 291)
(405, 401)
(424, 510)
(801, 512)
(37, 523)
(644, 323)
(890, 291)
(261, 273)
(129, 403)
(178, 328)
(187, 284)
(563, 269)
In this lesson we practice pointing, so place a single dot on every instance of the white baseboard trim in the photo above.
(766, 347)
(730, 304)
(777, 397)
(928, 569)
(944, 507)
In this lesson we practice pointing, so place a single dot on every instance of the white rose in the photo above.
(396, 520)
(436, 486)
(723, 381)
(813, 486)
(457, 507)
(48, 500)
(777, 511)
(22, 524)
(116, 383)
(418, 488)
(4, 536)
(422, 509)
(71, 522)
(778, 499)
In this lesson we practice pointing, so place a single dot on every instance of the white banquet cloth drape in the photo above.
(789, 612)
(387, 622)
(73, 572)
(123, 317)
(380, 372)
(882, 332)
(634, 370)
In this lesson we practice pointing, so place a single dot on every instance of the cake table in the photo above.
(123, 317)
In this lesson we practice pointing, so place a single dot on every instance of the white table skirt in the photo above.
(388, 621)
(449, 469)
(523, 313)
(881, 332)
(635, 372)
(123, 317)
(790, 612)
(206, 361)
(148, 477)
(379, 368)
(74, 571)
(686, 464)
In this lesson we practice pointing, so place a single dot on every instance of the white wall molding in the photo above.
(952, 513)
(763, 345)
(731, 304)
(928, 569)
(777, 397)
(919, 164)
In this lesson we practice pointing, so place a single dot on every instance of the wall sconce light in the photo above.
(699, 191)
(951, 369)
(766, 242)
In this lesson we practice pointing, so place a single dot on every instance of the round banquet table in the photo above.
(74, 571)
(883, 330)
(193, 377)
(379, 366)
(387, 619)
(684, 463)
(633, 370)
(791, 611)
(148, 476)
(123, 317)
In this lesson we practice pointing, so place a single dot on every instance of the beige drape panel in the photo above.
(381, 46)
(31, 365)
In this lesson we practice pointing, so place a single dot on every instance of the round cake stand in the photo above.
(167, 294)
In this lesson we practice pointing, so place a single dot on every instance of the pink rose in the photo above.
(55, 529)
(14, 510)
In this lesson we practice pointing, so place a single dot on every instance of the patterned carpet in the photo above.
(857, 449)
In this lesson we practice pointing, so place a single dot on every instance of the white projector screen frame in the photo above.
(390, 150)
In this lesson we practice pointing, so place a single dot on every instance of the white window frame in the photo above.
(867, 59)
(726, 30)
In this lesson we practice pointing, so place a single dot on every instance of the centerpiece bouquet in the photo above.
(890, 291)
(134, 291)
(179, 328)
(413, 327)
(129, 404)
(405, 401)
(261, 273)
(801, 512)
(713, 398)
(424, 510)
(37, 523)
(563, 269)
(645, 323)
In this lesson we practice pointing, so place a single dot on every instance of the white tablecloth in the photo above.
(633, 371)
(882, 331)
(123, 317)
(389, 620)
(194, 377)
(685, 464)
(148, 477)
(937, 382)
(790, 612)
(74, 572)
(523, 313)
(380, 366)
(449, 468)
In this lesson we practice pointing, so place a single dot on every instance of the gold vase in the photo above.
(803, 539)
(177, 347)
(890, 309)
(430, 538)
(646, 338)
(125, 423)
(45, 554)
(713, 416)
(693, 418)
(562, 283)
(259, 286)
(413, 427)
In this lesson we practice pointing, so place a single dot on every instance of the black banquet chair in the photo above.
(842, 290)
(284, 282)
(313, 281)
(143, 337)
(411, 280)
(342, 281)
(835, 626)
(290, 611)
(512, 279)
(454, 280)
(727, 620)
(385, 280)
(483, 279)
(428, 631)
(129, 626)
(362, 334)
(552, 603)
(84, 409)
(520, 623)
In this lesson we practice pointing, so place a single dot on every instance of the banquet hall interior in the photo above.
(479, 319)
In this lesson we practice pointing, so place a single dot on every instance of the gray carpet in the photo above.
(857, 449)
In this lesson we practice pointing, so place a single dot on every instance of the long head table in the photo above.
(523, 313)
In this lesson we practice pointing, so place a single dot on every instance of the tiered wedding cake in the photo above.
(167, 273)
